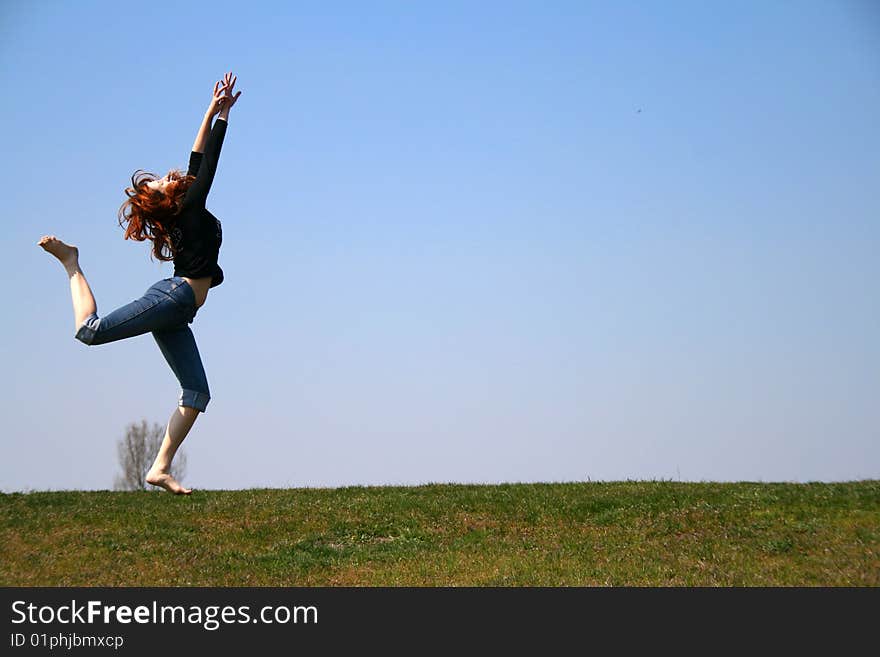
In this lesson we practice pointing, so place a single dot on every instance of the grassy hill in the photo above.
(570, 534)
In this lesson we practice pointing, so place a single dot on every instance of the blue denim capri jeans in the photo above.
(165, 310)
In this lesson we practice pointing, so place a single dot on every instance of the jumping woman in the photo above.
(169, 211)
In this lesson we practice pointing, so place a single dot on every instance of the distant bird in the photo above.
(639, 111)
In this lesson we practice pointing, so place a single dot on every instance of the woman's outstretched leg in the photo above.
(83, 299)
(178, 427)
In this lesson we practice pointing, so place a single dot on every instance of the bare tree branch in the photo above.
(136, 452)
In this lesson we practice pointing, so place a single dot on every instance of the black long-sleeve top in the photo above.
(197, 236)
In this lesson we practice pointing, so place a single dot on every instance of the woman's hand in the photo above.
(218, 100)
(228, 100)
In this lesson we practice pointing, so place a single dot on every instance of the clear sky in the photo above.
(463, 241)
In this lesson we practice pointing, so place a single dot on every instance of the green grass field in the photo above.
(569, 534)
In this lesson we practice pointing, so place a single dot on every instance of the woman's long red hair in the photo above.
(151, 214)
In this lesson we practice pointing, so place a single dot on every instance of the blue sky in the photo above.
(455, 250)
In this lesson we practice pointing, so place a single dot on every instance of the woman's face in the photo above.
(162, 182)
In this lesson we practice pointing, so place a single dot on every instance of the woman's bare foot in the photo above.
(66, 253)
(167, 482)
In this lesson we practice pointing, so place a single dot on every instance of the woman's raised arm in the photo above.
(203, 167)
(215, 106)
